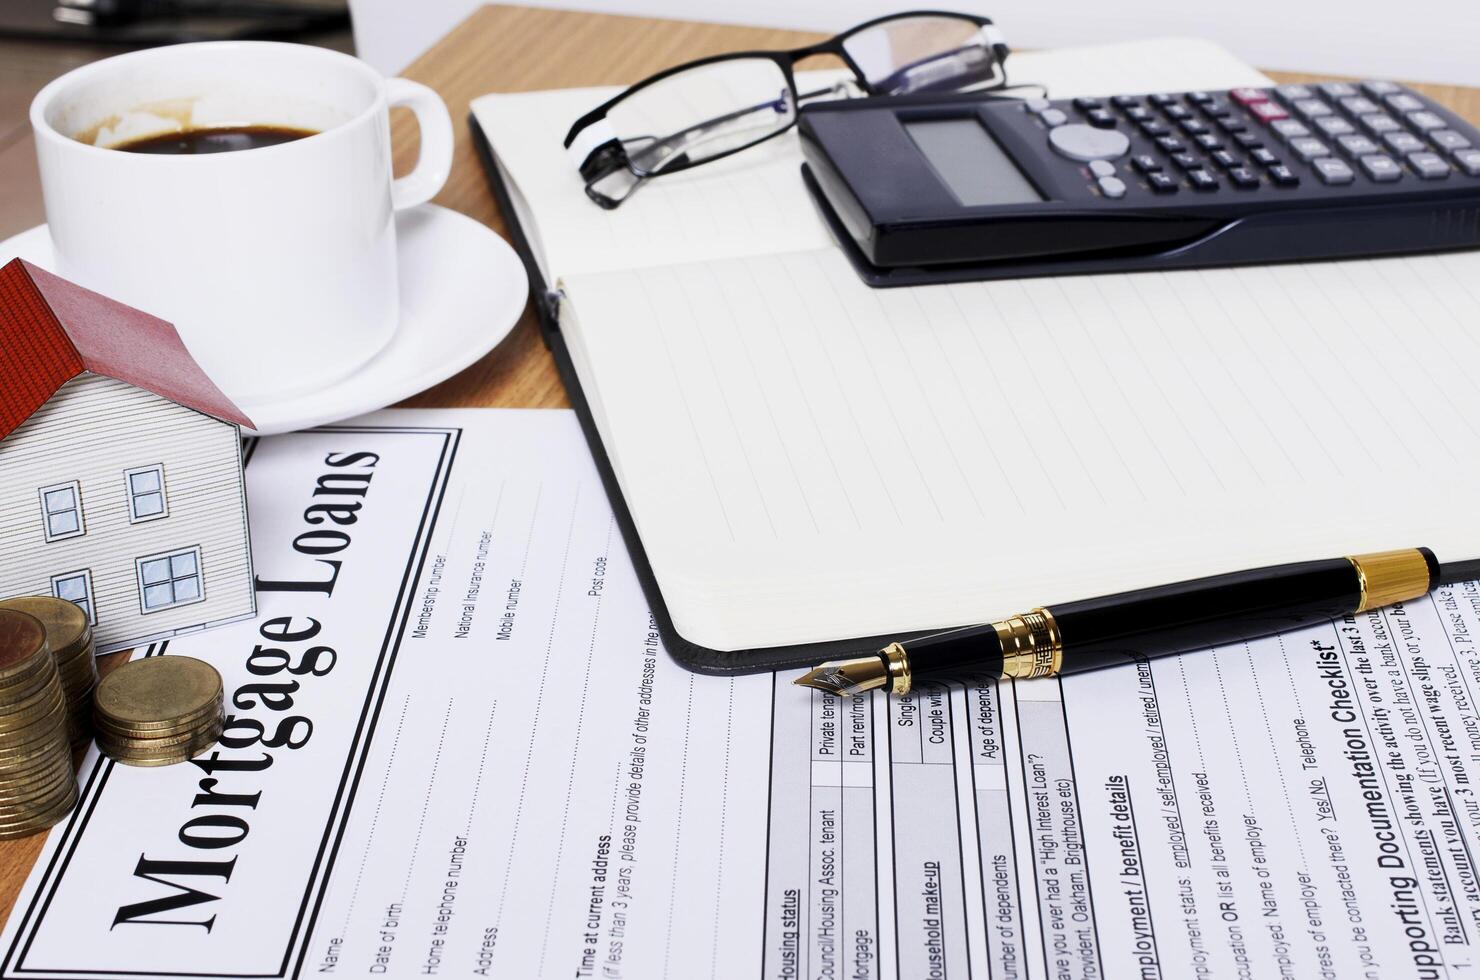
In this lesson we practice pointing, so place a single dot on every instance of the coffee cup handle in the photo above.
(435, 161)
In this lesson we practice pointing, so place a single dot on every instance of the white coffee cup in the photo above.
(277, 265)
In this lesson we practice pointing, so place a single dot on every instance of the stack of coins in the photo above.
(158, 711)
(37, 785)
(71, 641)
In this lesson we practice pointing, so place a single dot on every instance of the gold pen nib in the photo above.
(847, 676)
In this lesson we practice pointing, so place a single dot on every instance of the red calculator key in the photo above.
(1267, 111)
(1249, 96)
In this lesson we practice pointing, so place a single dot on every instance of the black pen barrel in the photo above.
(1235, 607)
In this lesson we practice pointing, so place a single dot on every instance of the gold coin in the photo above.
(41, 821)
(21, 685)
(13, 804)
(42, 776)
(191, 722)
(67, 630)
(79, 677)
(156, 692)
(22, 642)
(32, 755)
(125, 744)
(33, 710)
(183, 754)
(145, 747)
(27, 795)
(14, 698)
(17, 756)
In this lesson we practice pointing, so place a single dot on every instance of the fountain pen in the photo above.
(1132, 626)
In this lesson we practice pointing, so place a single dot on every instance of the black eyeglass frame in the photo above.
(611, 155)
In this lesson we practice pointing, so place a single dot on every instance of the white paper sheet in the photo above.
(498, 772)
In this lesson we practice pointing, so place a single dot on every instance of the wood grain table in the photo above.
(510, 49)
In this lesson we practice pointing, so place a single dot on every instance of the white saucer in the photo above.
(462, 290)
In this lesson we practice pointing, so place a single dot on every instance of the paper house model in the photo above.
(120, 466)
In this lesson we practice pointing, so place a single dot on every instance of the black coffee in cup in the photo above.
(223, 139)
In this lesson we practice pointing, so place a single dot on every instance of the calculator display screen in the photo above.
(971, 163)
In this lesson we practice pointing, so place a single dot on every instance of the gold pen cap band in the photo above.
(1031, 645)
(1386, 577)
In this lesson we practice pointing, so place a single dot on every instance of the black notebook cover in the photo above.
(693, 656)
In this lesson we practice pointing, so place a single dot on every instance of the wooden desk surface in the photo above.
(510, 49)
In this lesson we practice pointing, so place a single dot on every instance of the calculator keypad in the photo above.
(1338, 134)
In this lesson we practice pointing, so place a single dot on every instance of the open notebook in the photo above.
(805, 459)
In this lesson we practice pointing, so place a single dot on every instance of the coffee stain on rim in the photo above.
(180, 112)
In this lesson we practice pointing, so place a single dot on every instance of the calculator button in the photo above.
(1381, 167)
(1243, 178)
(1085, 103)
(1155, 127)
(1217, 108)
(1232, 124)
(1137, 112)
(1404, 143)
(1429, 166)
(1192, 127)
(1201, 98)
(1208, 142)
(1308, 148)
(1334, 126)
(1289, 129)
(1162, 99)
(1468, 161)
(1248, 140)
(1403, 102)
(1171, 144)
(1176, 111)
(1249, 96)
(1102, 168)
(1201, 180)
(1079, 142)
(1332, 170)
(1263, 157)
(1053, 117)
(1448, 139)
(1162, 183)
(1312, 108)
(1267, 111)
(1283, 176)
(1187, 161)
(1293, 92)
(1036, 105)
(1377, 89)
(1100, 118)
(1425, 121)
(1225, 159)
(1146, 163)
(1112, 187)
(1337, 90)
(1378, 123)
(1359, 105)
(1124, 101)
(1357, 145)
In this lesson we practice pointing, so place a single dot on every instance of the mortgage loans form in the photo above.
(456, 748)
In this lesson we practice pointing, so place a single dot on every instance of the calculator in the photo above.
(931, 189)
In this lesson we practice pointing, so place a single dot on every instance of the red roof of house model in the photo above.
(52, 330)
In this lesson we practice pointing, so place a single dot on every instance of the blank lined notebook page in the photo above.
(807, 458)
(754, 203)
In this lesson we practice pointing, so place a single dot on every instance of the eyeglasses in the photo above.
(702, 111)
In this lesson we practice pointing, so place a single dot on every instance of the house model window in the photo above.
(61, 510)
(146, 500)
(170, 580)
(76, 587)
